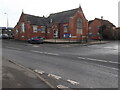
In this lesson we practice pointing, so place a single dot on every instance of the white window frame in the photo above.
(65, 28)
(43, 30)
(35, 29)
(16, 31)
(79, 26)
(48, 30)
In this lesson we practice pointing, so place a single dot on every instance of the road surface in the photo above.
(91, 66)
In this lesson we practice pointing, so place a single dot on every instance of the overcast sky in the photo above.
(91, 8)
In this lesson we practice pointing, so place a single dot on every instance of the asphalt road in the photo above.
(92, 66)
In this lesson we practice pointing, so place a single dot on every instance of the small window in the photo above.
(16, 31)
(98, 27)
(48, 30)
(65, 28)
(35, 29)
(43, 30)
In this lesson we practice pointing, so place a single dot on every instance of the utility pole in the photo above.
(7, 25)
(101, 29)
(7, 21)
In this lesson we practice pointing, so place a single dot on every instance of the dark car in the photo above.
(36, 40)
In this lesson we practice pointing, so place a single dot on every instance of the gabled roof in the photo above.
(62, 17)
(36, 20)
(105, 22)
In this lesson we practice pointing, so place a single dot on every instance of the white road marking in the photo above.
(114, 47)
(44, 52)
(81, 58)
(108, 67)
(113, 62)
(100, 61)
(35, 46)
(53, 54)
(14, 48)
(61, 86)
(73, 82)
(54, 76)
(34, 51)
(92, 59)
(39, 71)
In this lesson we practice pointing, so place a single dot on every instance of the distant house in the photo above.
(71, 23)
(100, 26)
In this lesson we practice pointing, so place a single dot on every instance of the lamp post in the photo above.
(101, 29)
(7, 24)
(7, 20)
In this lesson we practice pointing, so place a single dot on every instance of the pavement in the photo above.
(14, 76)
(67, 41)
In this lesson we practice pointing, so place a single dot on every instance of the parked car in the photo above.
(36, 40)
(4, 36)
(96, 37)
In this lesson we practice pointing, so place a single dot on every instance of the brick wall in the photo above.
(72, 28)
(94, 26)
(73, 25)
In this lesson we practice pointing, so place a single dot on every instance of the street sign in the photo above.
(67, 35)
(39, 29)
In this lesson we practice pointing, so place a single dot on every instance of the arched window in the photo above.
(22, 27)
(79, 26)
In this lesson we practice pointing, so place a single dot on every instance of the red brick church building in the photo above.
(58, 25)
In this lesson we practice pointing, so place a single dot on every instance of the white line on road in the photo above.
(44, 52)
(113, 62)
(53, 54)
(14, 48)
(35, 46)
(92, 59)
(34, 51)
(73, 82)
(81, 58)
(100, 61)
(61, 86)
(54, 76)
(39, 71)
(108, 67)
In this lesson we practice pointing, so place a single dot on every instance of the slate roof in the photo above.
(62, 17)
(36, 20)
